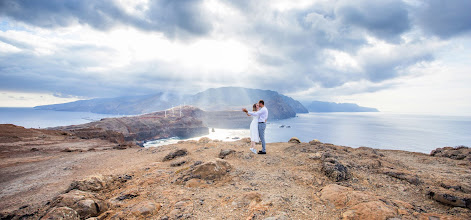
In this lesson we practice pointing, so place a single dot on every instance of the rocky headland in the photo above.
(51, 174)
(181, 122)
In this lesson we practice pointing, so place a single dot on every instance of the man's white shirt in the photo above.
(262, 113)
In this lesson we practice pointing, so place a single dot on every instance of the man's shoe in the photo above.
(262, 152)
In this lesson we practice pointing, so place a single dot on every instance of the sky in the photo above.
(409, 56)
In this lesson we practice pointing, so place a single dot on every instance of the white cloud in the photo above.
(370, 53)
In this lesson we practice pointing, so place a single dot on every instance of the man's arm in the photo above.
(257, 113)
(254, 113)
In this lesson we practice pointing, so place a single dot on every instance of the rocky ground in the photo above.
(209, 179)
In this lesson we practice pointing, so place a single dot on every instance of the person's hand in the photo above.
(245, 110)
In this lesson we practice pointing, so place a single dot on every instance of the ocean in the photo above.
(418, 133)
(31, 118)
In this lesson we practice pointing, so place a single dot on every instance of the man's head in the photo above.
(261, 103)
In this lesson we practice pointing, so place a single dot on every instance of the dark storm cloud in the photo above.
(170, 17)
(290, 44)
(386, 19)
(445, 18)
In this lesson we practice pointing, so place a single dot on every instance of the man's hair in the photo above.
(261, 102)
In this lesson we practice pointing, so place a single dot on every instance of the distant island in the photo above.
(210, 100)
(317, 106)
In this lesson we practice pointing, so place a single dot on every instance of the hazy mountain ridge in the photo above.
(214, 99)
(318, 106)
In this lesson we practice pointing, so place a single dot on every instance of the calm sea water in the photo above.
(31, 118)
(417, 133)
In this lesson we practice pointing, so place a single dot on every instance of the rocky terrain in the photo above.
(56, 175)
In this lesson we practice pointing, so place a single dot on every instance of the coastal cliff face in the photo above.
(145, 127)
(210, 179)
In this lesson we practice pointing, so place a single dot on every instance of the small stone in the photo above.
(178, 163)
(225, 153)
(175, 154)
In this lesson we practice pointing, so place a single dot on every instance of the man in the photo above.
(263, 115)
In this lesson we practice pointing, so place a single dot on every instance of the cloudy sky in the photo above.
(409, 56)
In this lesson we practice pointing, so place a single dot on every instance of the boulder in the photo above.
(86, 204)
(212, 170)
(225, 152)
(175, 154)
(92, 183)
(335, 170)
(61, 213)
(294, 140)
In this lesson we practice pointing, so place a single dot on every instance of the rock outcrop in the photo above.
(456, 153)
(146, 127)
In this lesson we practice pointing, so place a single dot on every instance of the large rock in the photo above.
(451, 199)
(61, 213)
(294, 140)
(175, 154)
(93, 183)
(86, 204)
(456, 153)
(335, 170)
(212, 170)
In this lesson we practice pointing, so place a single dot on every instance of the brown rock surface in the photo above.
(143, 127)
(287, 183)
(457, 153)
